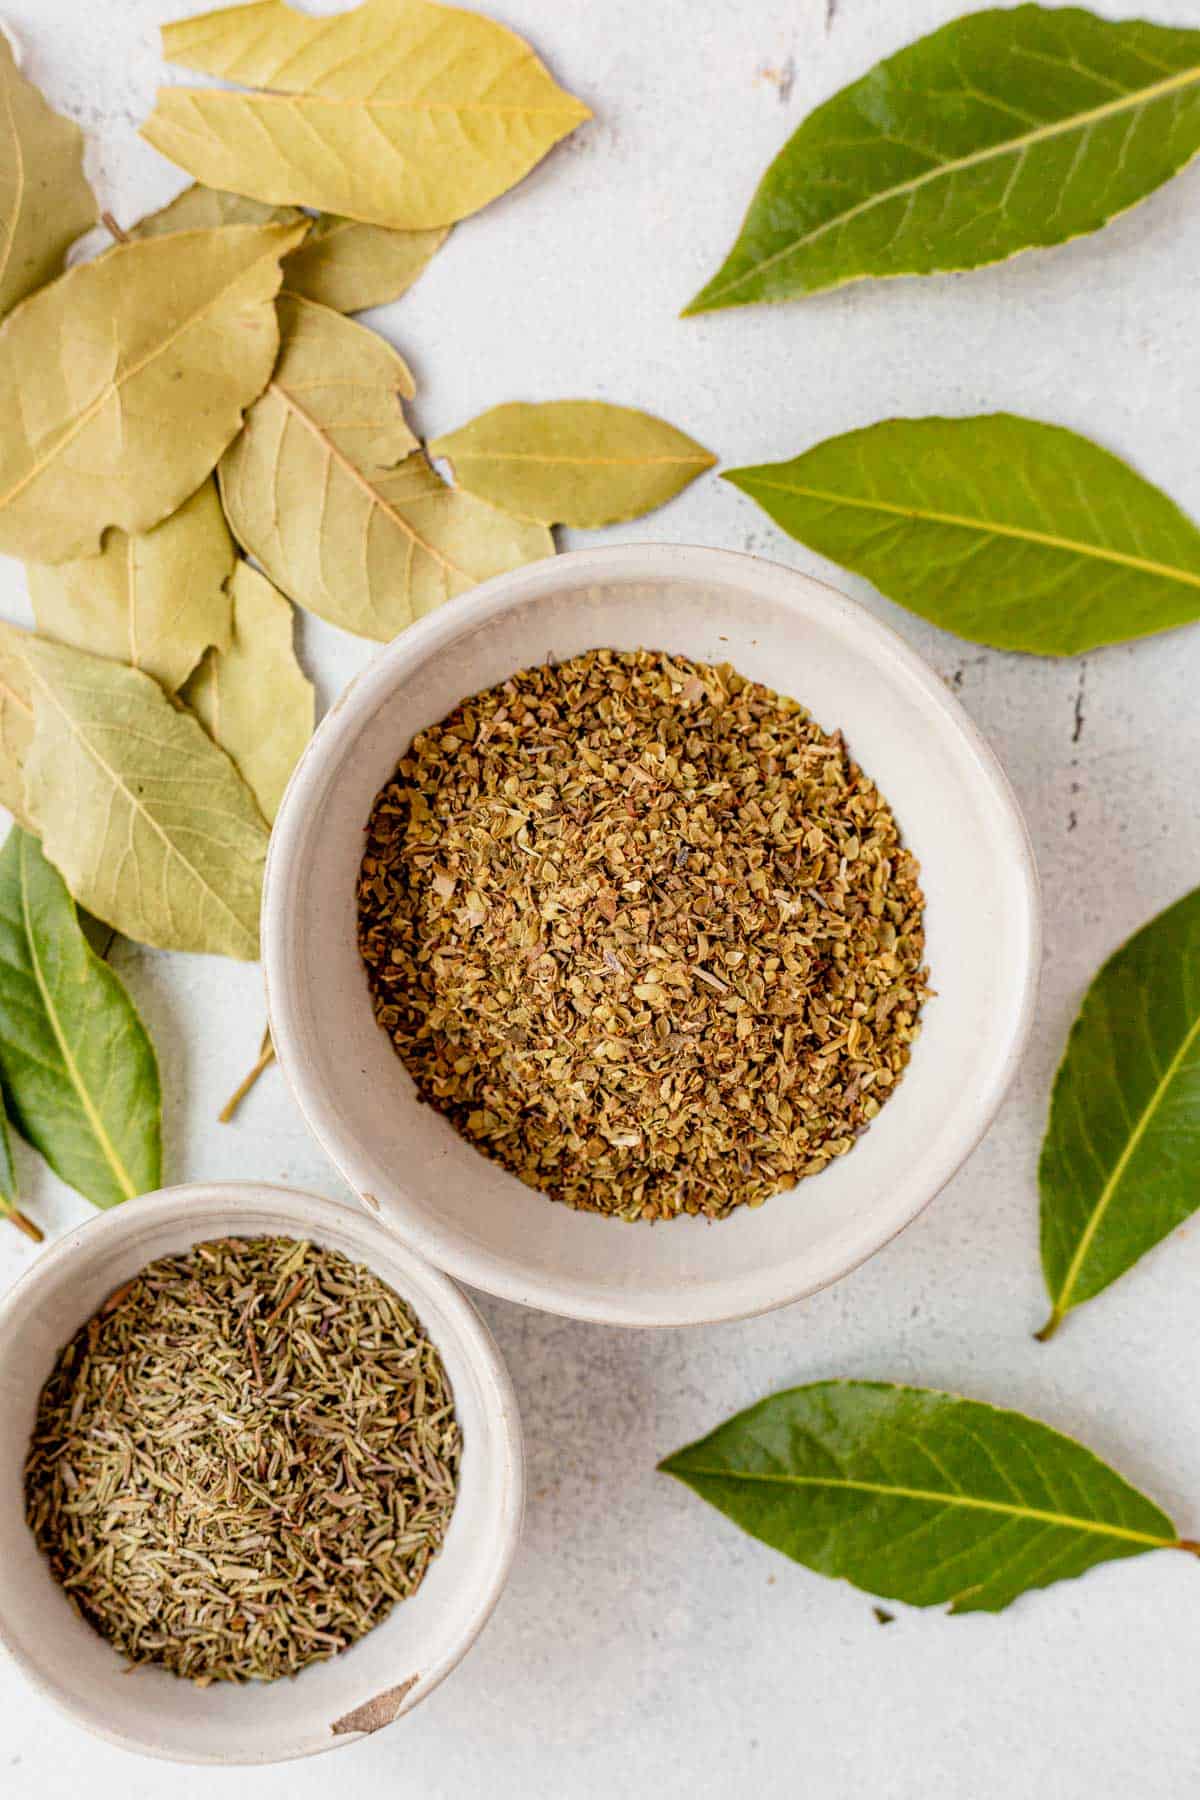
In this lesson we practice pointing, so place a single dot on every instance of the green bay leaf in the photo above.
(149, 823)
(402, 113)
(10, 1193)
(1003, 131)
(919, 1496)
(999, 528)
(252, 697)
(122, 382)
(572, 462)
(327, 489)
(78, 1068)
(1120, 1164)
(45, 199)
(156, 600)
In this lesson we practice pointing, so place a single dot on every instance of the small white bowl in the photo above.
(953, 804)
(422, 1638)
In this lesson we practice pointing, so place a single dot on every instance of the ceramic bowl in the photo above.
(419, 1642)
(956, 811)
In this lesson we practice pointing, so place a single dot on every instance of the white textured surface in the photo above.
(644, 1646)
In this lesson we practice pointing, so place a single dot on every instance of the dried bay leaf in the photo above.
(1002, 529)
(341, 263)
(1003, 131)
(572, 462)
(122, 382)
(200, 208)
(253, 698)
(45, 199)
(16, 732)
(326, 488)
(401, 112)
(920, 1496)
(349, 266)
(79, 1071)
(1120, 1164)
(156, 601)
(149, 823)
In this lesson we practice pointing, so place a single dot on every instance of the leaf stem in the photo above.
(114, 230)
(1051, 1326)
(266, 1057)
(25, 1224)
(1188, 1544)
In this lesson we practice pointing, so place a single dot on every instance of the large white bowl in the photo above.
(955, 808)
(422, 1638)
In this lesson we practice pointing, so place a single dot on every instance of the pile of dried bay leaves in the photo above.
(194, 438)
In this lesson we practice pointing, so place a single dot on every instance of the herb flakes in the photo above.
(244, 1460)
(644, 933)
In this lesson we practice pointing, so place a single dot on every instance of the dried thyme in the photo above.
(244, 1460)
(644, 933)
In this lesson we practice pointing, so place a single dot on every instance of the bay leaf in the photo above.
(10, 1193)
(341, 263)
(45, 199)
(401, 112)
(1003, 131)
(920, 1496)
(253, 698)
(200, 208)
(122, 382)
(1120, 1167)
(326, 489)
(79, 1070)
(572, 462)
(1002, 529)
(155, 600)
(149, 823)
(16, 732)
(349, 266)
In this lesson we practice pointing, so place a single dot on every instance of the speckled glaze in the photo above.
(955, 808)
(419, 1642)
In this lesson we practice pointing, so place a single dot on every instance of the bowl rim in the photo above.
(398, 660)
(473, 1339)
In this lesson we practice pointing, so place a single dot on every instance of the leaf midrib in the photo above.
(989, 527)
(976, 1502)
(131, 600)
(1062, 1301)
(113, 387)
(571, 108)
(8, 692)
(99, 1132)
(362, 481)
(585, 462)
(944, 170)
(171, 849)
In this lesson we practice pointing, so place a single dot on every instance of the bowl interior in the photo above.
(422, 1638)
(956, 812)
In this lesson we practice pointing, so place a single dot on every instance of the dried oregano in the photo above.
(244, 1460)
(644, 933)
